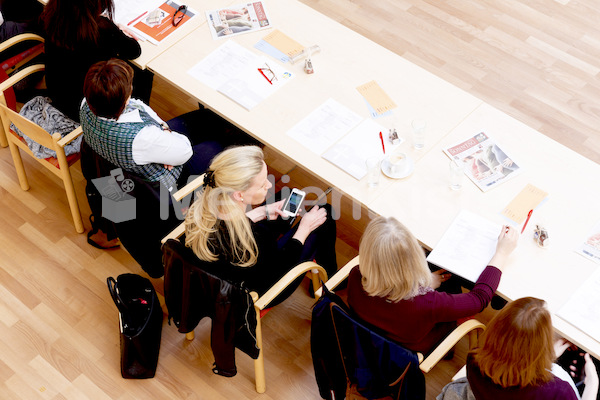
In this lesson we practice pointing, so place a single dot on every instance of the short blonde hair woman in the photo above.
(257, 246)
(514, 360)
(393, 288)
(392, 262)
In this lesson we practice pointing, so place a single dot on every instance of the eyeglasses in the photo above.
(179, 14)
(268, 73)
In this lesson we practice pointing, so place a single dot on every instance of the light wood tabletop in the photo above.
(346, 61)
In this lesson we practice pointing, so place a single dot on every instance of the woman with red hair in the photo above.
(516, 354)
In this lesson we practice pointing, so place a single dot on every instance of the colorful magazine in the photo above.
(486, 163)
(234, 20)
(157, 24)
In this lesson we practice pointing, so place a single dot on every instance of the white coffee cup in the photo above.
(397, 162)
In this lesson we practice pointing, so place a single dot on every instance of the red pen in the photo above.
(526, 221)
(135, 19)
(382, 145)
(263, 74)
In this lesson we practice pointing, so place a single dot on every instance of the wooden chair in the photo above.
(8, 66)
(470, 328)
(59, 166)
(260, 303)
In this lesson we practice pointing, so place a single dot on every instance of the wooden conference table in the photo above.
(423, 200)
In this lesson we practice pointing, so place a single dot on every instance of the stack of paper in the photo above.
(234, 71)
(581, 310)
(467, 246)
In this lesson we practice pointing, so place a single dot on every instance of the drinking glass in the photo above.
(373, 171)
(418, 133)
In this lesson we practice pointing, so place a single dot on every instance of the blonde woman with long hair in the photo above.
(516, 354)
(256, 245)
(394, 290)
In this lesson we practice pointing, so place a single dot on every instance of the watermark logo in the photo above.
(117, 204)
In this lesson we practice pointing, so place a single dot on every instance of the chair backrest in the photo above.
(29, 128)
(194, 290)
(378, 366)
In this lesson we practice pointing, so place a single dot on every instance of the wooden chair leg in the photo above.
(73, 203)
(19, 167)
(259, 363)
(3, 140)
(190, 336)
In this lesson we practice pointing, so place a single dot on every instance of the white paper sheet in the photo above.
(233, 70)
(324, 126)
(127, 11)
(590, 246)
(351, 153)
(467, 245)
(581, 310)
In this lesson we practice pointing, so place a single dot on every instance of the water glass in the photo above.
(457, 171)
(373, 171)
(418, 133)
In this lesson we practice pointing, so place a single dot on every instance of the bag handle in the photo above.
(114, 293)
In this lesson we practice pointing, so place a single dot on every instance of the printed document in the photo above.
(236, 72)
(352, 151)
(581, 310)
(324, 126)
(467, 246)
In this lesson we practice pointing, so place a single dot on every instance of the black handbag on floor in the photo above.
(140, 320)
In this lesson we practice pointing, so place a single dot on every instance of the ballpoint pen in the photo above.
(526, 221)
(135, 19)
(382, 145)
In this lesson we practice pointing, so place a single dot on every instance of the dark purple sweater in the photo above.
(423, 321)
(484, 389)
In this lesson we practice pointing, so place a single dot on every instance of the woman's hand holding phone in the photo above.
(274, 210)
(309, 222)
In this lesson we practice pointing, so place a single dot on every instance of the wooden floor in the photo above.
(537, 60)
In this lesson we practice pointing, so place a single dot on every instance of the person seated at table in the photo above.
(78, 34)
(394, 290)
(516, 354)
(256, 246)
(129, 134)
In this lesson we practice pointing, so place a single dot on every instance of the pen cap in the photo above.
(306, 53)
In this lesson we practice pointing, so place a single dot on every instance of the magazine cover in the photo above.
(234, 20)
(157, 24)
(486, 163)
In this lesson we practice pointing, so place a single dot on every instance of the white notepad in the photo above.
(352, 151)
(467, 245)
(581, 310)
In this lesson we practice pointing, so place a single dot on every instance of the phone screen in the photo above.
(293, 203)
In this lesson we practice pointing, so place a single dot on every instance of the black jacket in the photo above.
(142, 235)
(193, 291)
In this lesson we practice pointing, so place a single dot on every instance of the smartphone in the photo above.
(292, 204)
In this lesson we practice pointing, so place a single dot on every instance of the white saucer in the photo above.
(410, 166)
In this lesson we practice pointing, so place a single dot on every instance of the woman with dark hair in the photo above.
(516, 354)
(78, 34)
